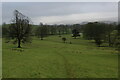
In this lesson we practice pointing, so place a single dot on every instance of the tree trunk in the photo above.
(41, 38)
(109, 37)
(19, 43)
(98, 45)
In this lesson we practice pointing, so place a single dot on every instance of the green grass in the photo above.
(0, 57)
(51, 58)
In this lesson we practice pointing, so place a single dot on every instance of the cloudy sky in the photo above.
(62, 12)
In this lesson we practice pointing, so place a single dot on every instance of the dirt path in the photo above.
(68, 68)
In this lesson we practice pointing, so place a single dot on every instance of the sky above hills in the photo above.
(62, 12)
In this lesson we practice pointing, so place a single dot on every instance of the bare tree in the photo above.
(20, 29)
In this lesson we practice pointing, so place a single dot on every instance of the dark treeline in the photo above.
(101, 32)
(98, 31)
(42, 31)
(0, 31)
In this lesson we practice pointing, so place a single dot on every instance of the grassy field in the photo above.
(0, 57)
(51, 58)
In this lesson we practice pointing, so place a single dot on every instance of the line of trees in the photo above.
(21, 30)
(101, 33)
(118, 38)
(44, 30)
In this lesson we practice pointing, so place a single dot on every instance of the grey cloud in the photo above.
(40, 9)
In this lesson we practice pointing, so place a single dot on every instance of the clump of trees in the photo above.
(94, 31)
(19, 30)
(64, 39)
(42, 31)
(100, 32)
(75, 33)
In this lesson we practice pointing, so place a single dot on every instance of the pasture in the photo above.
(51, 58)
(0, 57)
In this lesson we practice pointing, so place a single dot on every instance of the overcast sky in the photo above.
(62, 12)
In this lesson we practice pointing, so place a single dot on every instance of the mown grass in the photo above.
(51, 58)
(0, 57)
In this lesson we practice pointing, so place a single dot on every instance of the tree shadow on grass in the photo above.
(17, 49)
